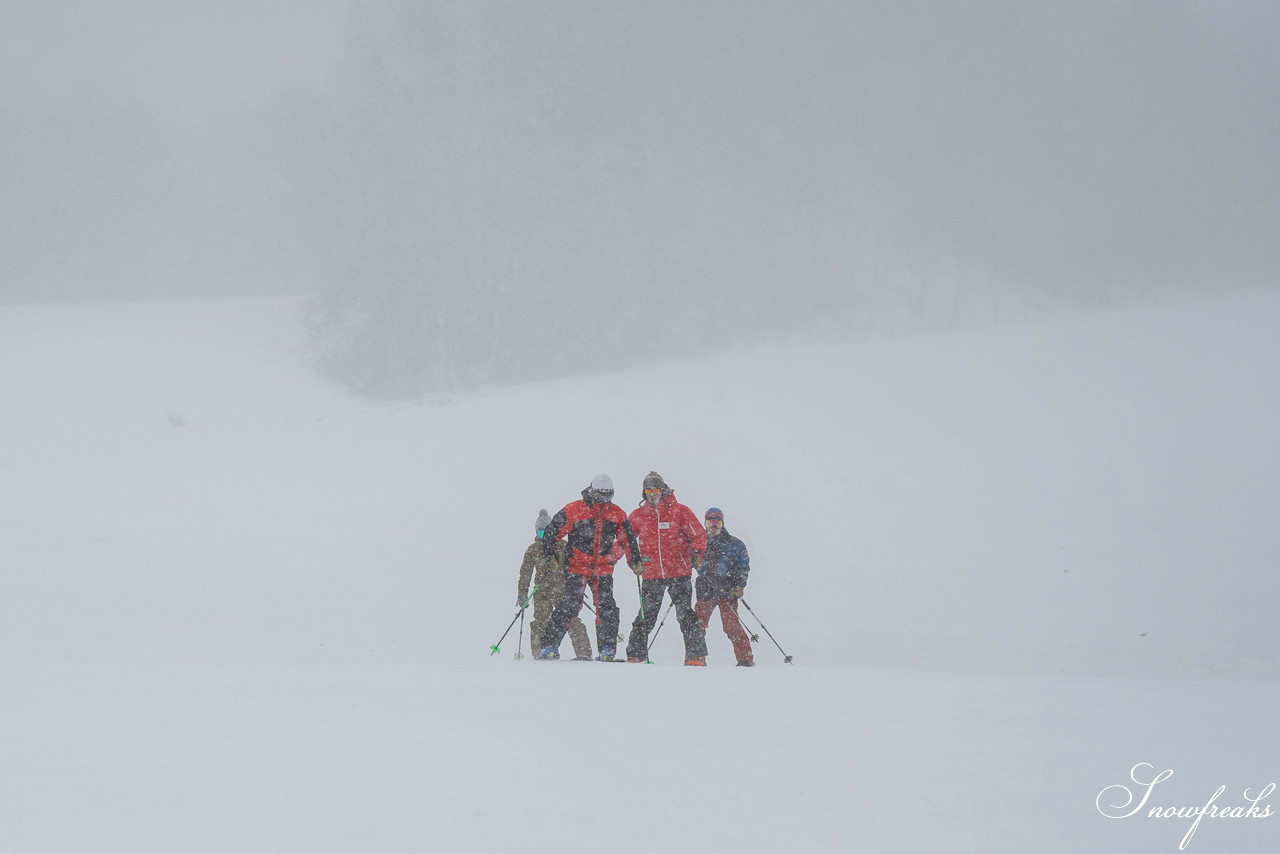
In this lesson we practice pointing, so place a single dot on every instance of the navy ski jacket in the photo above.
(724, 567)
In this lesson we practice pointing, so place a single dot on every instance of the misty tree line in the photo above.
(105, 200)
(546, 189)
(500, 191)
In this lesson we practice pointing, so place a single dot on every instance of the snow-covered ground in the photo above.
(241, 611)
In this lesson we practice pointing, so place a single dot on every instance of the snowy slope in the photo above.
(240, 610)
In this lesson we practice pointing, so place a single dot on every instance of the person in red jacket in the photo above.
(672, 542)
(599, 536)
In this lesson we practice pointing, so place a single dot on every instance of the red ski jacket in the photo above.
(599, 536)
(670, 535)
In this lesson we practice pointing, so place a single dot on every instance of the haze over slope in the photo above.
(1083, 496)
(242, 610)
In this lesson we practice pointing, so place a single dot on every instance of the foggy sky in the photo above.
(184, 59)
(829, 151)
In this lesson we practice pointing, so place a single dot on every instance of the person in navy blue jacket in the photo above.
(722, 578)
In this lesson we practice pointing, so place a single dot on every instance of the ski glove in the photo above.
(737, 592)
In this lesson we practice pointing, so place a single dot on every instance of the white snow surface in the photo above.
(242, 611)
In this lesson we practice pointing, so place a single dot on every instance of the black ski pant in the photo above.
(651, 592)
(607, 613)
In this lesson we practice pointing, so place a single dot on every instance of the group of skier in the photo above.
(663, 543)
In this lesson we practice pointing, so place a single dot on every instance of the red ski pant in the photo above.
(730, 620)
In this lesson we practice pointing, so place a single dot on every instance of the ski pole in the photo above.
(520, 639)
(494, 650)
(755, 638)
(786, 658)
(621, 637)
(661, 623)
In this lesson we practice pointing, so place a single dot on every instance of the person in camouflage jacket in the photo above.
(547, 572)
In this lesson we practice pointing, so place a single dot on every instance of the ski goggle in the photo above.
(715, 523)
(652, 490)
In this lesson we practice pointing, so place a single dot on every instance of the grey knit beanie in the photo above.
(653, 480)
